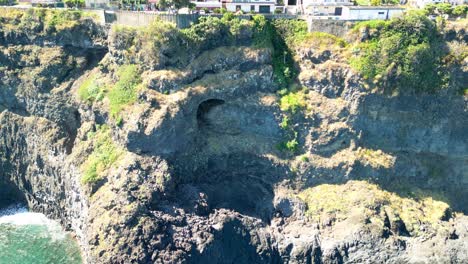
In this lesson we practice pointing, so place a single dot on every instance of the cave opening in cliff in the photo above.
(204, 108)
(10, 193)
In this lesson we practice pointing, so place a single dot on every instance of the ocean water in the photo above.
(32, 238)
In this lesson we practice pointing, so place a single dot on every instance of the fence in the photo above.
(133, 18)
(136, 19)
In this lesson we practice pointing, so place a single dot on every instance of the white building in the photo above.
(458, 2)
(325, 7)
(423, 3)
(370, 12)
(207, 4)
(247, 6)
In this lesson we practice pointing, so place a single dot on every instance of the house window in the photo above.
(381, 13)
(252, 8)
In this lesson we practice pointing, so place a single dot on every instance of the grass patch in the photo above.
(363, 2)
(293, 102)
(339, 200)
(320, 40)
(376, 158)
(124, 91)
(105, 154)
(41, 19)
(371, 24)
(90, 90)
(291, 145)
(285, 123)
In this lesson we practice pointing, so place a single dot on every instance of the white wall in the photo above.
(395, 13)
(320, 10)
(96, 3)
(365, 14)
(306, 3)
(245, 7)
(423, 3)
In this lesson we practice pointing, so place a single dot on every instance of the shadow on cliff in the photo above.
(427, 137)
(241, 182)
(232, 244)
(10, 193)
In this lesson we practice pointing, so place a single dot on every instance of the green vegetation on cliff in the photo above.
(293, 102)
(368, 200)
(446, 9)
(91, 90)
(41, 20)
(124, 91)
(405, 54)
(105, 153)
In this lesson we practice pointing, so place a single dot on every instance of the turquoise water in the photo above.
(31, 238)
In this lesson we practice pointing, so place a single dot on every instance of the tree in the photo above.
(74, 3)
(381, 2)
(444, 8)
(176, 4)
(460, 11)
(7, 2)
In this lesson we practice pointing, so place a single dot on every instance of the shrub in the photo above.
(285, 123)
(208, 33)
(291, 145)
(371, 24)
(74, 3)
(7, 2)
(292, 102)
(124, 90)
(90, 90)
(279, 35)
(406, 56)
(105, 153)
(292, 31)
(159, 38)
(438, 9)
(460, 11)
(446, 9)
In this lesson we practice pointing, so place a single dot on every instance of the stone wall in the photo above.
(336, 27)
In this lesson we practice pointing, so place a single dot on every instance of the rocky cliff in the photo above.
(232, 141)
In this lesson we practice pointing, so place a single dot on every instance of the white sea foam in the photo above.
(12, 210)
(19, 216)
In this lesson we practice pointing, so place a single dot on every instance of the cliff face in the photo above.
(169, 146)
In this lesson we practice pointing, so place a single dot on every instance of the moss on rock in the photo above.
(338, 201)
